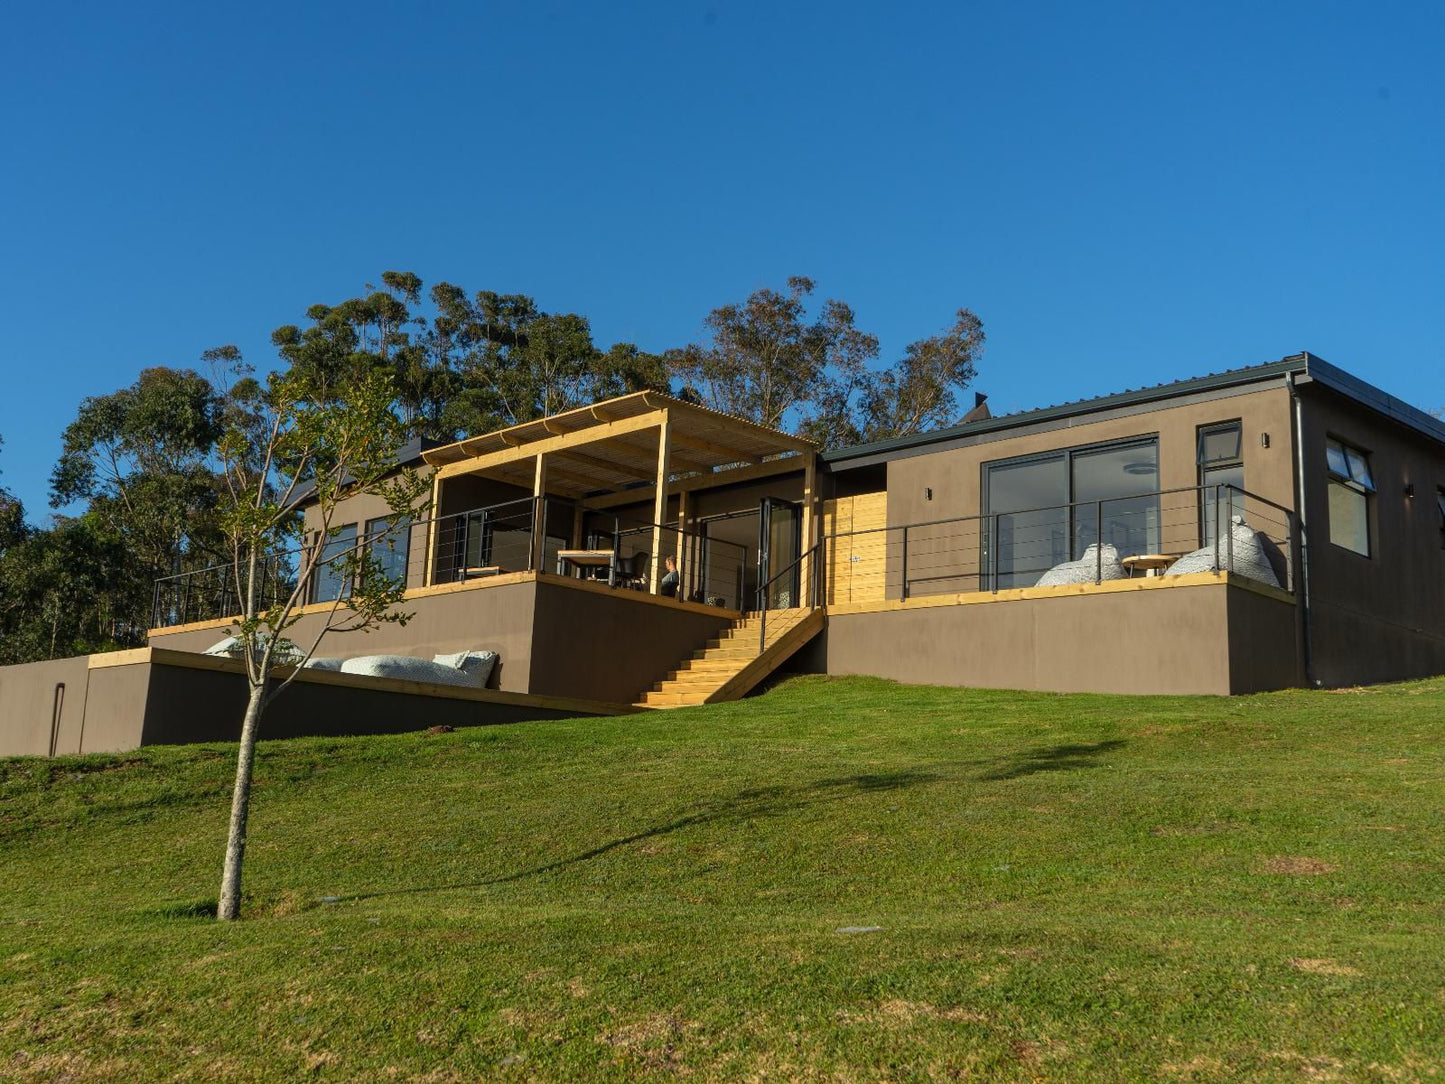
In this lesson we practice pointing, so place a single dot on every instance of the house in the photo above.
(1271, 526)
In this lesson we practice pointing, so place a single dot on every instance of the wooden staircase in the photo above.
(731, 665)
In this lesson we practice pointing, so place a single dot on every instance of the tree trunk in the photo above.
(229, 908)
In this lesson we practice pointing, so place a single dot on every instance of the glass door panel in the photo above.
(779, 539)
(1030, 530)
(1126, 480)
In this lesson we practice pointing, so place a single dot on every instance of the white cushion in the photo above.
(318, 663)
(230, 647)
(477, 665)
(408, 668)
(1241, 545)
(1086, 569)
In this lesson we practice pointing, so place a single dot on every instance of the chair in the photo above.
(632, 570)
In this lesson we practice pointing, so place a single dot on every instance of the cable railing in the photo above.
(1080, 542)
(787, 588)
(527, 534)
(707, 570)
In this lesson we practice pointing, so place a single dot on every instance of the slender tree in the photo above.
(326, 437)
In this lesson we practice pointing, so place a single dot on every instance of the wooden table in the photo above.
(484, 570)
(585, 559)
(1151, 563)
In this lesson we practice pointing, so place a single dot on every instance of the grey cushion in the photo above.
(1086, 569)
(323, 664)
(229, 647)
(408, 668)
(1246, 550)
(477, 665)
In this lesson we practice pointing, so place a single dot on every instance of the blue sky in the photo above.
(1124, 193)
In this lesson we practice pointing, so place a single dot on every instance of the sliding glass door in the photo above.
(1125, 478)
(1046, 508)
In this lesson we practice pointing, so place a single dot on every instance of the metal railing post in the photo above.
(1216, 529)
(905, 560)
(993, 554)
(1229, 528)
(1099, 542)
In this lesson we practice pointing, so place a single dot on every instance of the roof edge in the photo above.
(1305, 364)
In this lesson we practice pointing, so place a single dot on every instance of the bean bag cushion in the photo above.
(1086, 569)
(317, 663)
(408, 668)
(1246, 551)
(477, 665)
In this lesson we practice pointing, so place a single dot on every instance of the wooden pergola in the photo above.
(639, 447)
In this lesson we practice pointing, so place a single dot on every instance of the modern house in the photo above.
(1271, 526)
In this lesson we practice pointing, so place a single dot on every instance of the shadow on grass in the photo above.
(1056, 758)
(744, 805)
(185, 909)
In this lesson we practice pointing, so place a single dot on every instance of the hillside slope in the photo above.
(1063, 888)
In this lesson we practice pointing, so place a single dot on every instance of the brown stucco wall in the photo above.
(553, 639)
(611, 646)
(28, 702)
(115, 708)
(1160, 641)
(955, 475)
(491, 618)
(1382, 617)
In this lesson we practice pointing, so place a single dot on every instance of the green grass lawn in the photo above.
(1065, 888)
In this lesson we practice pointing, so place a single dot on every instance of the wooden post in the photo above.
(539, 515)
(578, 512)
(659, 500)
(687, 554)
(431, 529)
(810, 520)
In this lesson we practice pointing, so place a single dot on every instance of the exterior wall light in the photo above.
(1409, 491)
(928, 493)
(1264, 440)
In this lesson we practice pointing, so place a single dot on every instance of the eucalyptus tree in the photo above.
(142, 460)
(770, 360)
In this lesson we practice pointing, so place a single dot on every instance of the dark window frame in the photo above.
(1440, 503)
(1347, 478)
(1067, 454)
(323, 542)
(392, 533)
(1203, 469)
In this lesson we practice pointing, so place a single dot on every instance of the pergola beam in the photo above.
(722, 451)
(659, 500)
(765, 469)
(575, 439)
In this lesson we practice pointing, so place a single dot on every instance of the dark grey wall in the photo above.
(188, 705)
(1382, 617)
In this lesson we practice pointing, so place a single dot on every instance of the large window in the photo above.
(333, 578)
(1048, 508)
(388, 541)
(1221, 470)
(1351, 484)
